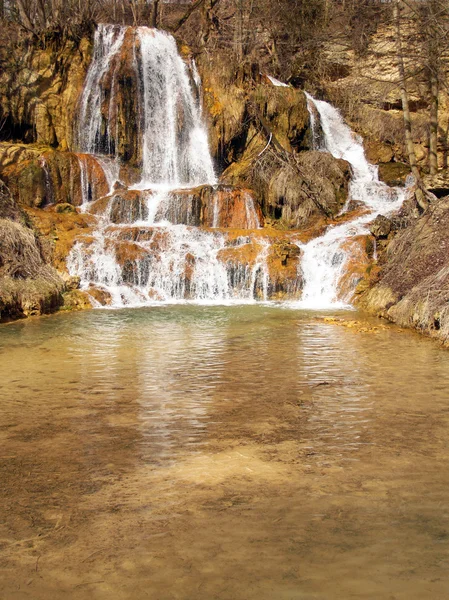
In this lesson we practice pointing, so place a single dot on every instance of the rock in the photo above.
(39, 176)
(65, 208)
(437, 184)
(316, 189)
(359, 251)
(380, 227)
(413, 284)
(124, 206)
(76, 300)
(39, 96)
(208, 206)
(28, 284)
(378, 152)
(72, 282)
(100, 295)
(59, 231)
(234, 105)
(394, 173)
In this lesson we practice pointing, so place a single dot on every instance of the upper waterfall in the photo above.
(172, 146)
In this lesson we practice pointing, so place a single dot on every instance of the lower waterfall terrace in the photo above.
(210, 452)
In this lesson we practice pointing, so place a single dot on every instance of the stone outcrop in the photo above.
(39, 90)
(412, 287)
(39, 176)
(239, 106)
(365, 87)
(217, 206)
(314, 187)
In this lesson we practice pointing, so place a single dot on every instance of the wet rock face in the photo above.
(271, 265)
(359, 251)
(39, 92)
(205, 206)
(38, 176)
(412, 288)
(127, 206)
(233, 105)
(315, 188)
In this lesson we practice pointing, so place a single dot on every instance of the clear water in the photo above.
(204, 452)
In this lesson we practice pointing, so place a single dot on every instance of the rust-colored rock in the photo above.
(38, 176)
(359, 251)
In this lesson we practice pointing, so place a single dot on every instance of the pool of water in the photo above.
(223, 453)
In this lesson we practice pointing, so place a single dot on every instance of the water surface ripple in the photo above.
(212, 452)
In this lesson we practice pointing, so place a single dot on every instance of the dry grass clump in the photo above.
(28, 286)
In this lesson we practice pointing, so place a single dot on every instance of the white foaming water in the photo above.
(325, 258)
(314, 122)
(161, 261)
(276, 82)
(178, 264)
(175, 145)
(107, 45)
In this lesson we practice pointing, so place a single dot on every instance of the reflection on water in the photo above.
(210, 438)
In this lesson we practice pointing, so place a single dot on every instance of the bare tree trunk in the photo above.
(326, 11)
(155, 14)
(133, 5)
(406, 109)
(239, 31)
(2, 9)
(206, 21)
(24, 17)
(433, 140)
(433, 68)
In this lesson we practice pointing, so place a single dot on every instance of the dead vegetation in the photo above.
(28, 285)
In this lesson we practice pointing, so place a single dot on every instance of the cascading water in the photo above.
(325, 258)
(315, 126)
(90, 136)
(153, 251)
(175, 145)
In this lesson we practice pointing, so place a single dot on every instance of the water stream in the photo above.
(325, 258)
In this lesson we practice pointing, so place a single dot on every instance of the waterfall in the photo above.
(150, 244)
(165, 235)
(90, 137)
(325, 258)
(314, 123)
(175, 144)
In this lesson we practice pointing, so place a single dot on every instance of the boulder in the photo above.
(314, 187)
(381, 227)
(412, 288)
